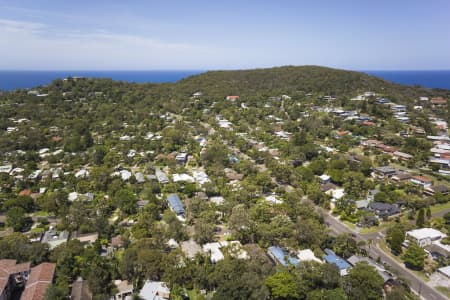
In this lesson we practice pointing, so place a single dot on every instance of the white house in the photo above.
(425, 236)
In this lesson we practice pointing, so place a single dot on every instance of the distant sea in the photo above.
(10, 80)
(429, 79)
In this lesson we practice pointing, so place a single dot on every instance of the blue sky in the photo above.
(200, 35)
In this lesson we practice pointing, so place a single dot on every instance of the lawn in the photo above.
(439, 207)
(349, 225)
(375, 229)
(444, 290)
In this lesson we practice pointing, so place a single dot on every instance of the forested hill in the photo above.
(292, 79)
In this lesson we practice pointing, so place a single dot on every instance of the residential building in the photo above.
(154, 290)
(80, 290)
(423, 181)
(425, 236)
(54, 238)
(332, 258)
(39, 280)
(442, 189)
(175, 204)
(12, 276)
(161, 176)
(307, 255)
(383, 209)
(282, 256)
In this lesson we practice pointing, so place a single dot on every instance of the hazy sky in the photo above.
(228, 34)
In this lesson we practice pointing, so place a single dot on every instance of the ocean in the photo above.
(429, 79)
(10, 80)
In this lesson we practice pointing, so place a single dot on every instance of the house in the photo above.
(117, 241)
(332, 258)
(181, 157)
(213, 249)
(197, 95)
(438, 101)
(425, 236)
(201, 177)
(383, 209)
(355, 259)
(190, 248)
(175, 204)
(161, 176)
(402, 156)
(401, 176)
(442, 189)
(281, 256)
(384, 172)
(324, 178)
(360, 204)
(12, 276)
(327, 187)
(445, 271)
(80, 290)
(423, 181)
(218, 200)
(307, 255)
(154, 290)
(39, 280)
(124, 290)
(87, 239)
(53, 238)
(182, 178)
(336, 194)
(232, 98)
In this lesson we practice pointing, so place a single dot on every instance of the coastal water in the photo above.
(429, 79)
(10, 80)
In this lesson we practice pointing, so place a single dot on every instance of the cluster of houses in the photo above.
(284, 257)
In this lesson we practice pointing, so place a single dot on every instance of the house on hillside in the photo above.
(423, 181)
(383, 210)
(39, 280)
(175, 204)
(425, 236)
(282, 256)
(232, 98)
(332, 258)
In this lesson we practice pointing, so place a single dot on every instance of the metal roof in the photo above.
(175, 204)
(332, 258)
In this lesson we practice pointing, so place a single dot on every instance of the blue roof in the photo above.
(332, 258)
(175, 204)
(280, 255)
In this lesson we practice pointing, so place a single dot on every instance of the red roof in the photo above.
(438, 100)
(25, 192)
(40, 279)
(421, 179)
(368, 123)
(232, 97)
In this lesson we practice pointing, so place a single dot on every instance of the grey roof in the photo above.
(386, 170)
(175, 204)
(384, 208)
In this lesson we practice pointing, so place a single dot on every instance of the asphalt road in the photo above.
(416, 283)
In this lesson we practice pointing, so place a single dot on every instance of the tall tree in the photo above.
(363, 283)
(414, 257)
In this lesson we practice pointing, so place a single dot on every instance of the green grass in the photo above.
(444, 290)
(349, 225)
(439, 207)
(41, 214)
(375, 229)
